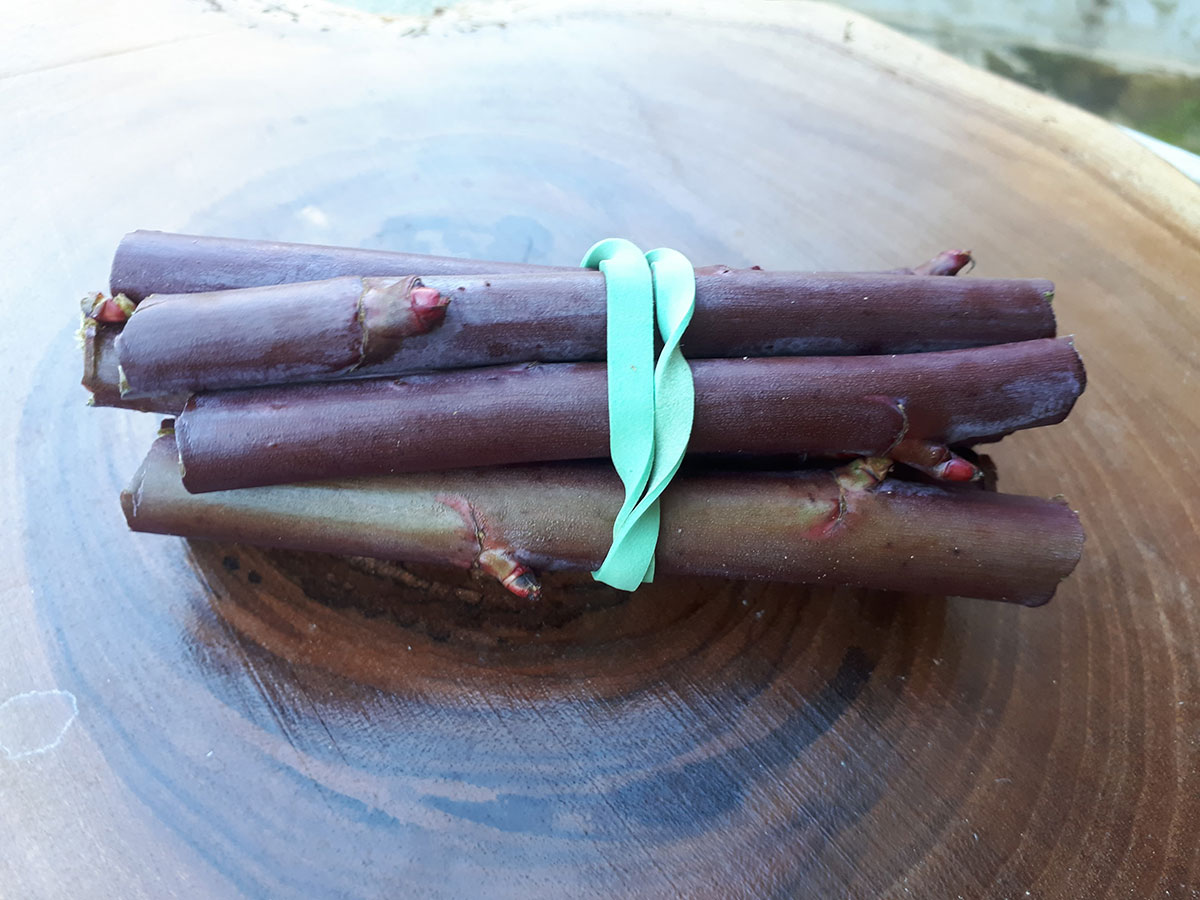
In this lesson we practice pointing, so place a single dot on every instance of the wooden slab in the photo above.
(208, 721)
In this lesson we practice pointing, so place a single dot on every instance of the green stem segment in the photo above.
(844, 527)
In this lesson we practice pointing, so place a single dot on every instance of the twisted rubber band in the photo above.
(650, 406)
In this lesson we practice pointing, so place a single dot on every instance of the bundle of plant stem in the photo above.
(454, 411)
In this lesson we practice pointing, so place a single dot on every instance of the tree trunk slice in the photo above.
(206, 720)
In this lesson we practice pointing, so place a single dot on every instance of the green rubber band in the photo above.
(650, 410)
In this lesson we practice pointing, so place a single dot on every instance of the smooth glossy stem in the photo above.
(303, 332)
(819, 406)
(158, 262)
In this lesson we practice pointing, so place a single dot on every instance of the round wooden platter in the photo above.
(206, 721)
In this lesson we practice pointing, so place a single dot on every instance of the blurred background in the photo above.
(1134, 62)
